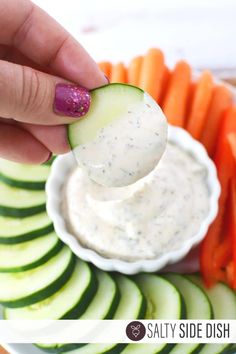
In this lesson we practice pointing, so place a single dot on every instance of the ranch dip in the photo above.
(143, 220)
(128, 148)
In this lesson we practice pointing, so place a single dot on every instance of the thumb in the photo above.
(31, 96)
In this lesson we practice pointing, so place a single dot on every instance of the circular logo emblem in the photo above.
(135, 331)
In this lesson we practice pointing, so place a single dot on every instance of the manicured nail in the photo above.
(71, 100)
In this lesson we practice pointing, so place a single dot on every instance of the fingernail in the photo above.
(71, 100)
(49, 157)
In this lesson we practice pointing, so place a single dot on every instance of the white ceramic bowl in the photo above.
(64, 164)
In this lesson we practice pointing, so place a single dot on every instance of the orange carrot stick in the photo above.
(106, 66)
(221, 100)
(152, 72)
(118, 73)
(232, 143)
(191, 95)
(164, 84)
(200, 105)
(226, 169)
(134, 70)
(233, 225)
(175, 102)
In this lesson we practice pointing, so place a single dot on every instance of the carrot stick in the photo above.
(200, 105)
(175, 102)
(226, 169)
(192, 90)
(106, 66)
(164, 84)
(152, 72)
(134, 70)
(232, 211)
(232, 143)
(221, 100)
(118, 73)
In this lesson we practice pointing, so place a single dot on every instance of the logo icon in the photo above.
(135, 331)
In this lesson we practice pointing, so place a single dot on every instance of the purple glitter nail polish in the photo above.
(71, 100)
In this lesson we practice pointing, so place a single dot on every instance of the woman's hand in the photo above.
(38, 59)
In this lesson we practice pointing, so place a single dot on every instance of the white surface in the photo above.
(201, 31)
(62, 166)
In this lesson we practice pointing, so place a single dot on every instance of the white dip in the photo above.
(128, 148)
(145, 219)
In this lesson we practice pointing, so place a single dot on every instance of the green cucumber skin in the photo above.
(231, 349)
(21, 212)
(46, 292)
(84, 301)
(53, 252)
(71, 346)
(27, 236)
(23, 184)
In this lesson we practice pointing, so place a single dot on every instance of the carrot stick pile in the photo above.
(205, 109)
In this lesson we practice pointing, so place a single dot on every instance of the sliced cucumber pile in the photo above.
(69, 302)
(24, 176)
(28, 287)
(158, 292)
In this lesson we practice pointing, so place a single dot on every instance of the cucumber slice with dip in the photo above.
(121, 138)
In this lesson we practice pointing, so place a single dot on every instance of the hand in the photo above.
(38, 59)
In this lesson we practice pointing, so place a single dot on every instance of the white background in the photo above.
(201, 31)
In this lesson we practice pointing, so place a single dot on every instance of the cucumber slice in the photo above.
(17, 202)
(26, 288)
(29, 255)
(223, 301)
(197, 304)
(122, 121)
(31, 177)
(163, 302)
(103, 306)
(159, 292)
(218, 348)
(230, 350)
(14, 230)
(132, 305)
(106, 300)
(219, 296)
(108, 103)
(69, 302)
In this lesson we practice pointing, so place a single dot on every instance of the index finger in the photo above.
(39, 37)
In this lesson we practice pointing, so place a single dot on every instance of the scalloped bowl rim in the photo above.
(62, 166)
